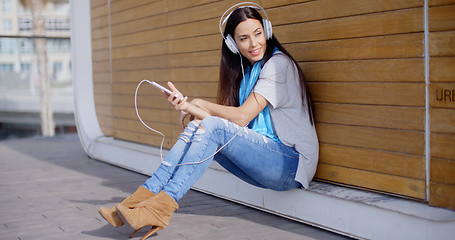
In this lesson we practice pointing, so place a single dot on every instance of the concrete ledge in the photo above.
(350, 212)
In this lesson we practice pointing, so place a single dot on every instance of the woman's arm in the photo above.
(200, 109)
(241, 115)
(195, 111)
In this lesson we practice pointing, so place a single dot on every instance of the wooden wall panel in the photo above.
(440, 2)
(442, 120)
(275, 3)
(441, 69)
(411, 142)
(441, 18)
(121, 6)
(382, 47)
(442, 43)
(400, 94)
(145, 10)
(375, 181)
(96, 3)
(442, 195)
(283, 12)
(442, 145)
(143, 50)
(183, 5)
(405, 165)
(392, 117)
(442, 101)
(442, 95)
(139, 25)
(365, 62)
(351, 27)
(386, 70)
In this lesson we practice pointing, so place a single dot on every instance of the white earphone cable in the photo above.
(140, 119)
(160, 133)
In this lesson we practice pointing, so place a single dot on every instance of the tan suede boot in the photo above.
(111, 215)
(155, 212)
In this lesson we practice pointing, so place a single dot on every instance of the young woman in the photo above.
(261, 87)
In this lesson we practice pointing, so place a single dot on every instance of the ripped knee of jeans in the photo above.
(185, 136)
(198, 135)
(189, 131)
(192, 130)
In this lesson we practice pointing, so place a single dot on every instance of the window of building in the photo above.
(57, 67)
(7, 45)
(58, 45)
(25, 71)
(6, 6)
(56, 71)
(25, 23)
(57, 24)
(6, 67)
(26, 45)
(7, 25)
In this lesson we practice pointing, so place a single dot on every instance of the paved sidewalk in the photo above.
(50, 189)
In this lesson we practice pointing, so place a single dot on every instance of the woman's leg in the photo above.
(271, 164)
(227, 164)
(212, 134)
(159, 178)
(164, 172)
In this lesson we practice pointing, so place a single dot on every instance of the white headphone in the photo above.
(230, 42)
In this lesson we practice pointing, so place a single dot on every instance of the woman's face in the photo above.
(250, 38)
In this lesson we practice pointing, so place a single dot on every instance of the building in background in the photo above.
(19, 79)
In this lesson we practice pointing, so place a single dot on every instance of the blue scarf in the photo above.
(262, 123)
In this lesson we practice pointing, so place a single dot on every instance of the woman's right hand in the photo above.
(183, 106)
(175, 98)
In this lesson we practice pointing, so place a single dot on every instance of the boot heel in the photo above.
(134, 233)
(151, 232)
(148, 234)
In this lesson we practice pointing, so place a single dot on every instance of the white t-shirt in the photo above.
(279, 83)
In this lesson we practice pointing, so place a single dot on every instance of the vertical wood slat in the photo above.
(442, 103)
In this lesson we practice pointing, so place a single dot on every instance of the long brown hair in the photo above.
(230, 65)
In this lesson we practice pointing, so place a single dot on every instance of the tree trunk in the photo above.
(47, 119)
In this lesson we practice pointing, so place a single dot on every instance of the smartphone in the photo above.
(164, 89)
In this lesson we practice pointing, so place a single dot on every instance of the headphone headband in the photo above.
(256, 6)
(230, 42)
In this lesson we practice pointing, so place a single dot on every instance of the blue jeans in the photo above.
(252, 157)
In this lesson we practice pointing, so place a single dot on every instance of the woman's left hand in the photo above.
(183, 115)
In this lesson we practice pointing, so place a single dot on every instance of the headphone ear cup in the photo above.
(230, 43)
(267, 28)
